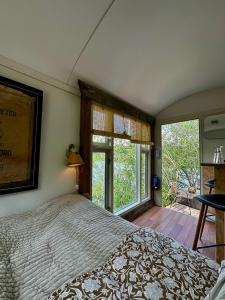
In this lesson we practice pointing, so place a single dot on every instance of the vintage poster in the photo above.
(17, 130)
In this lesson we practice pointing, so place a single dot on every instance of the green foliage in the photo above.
(143, 175)
(98, 179)
(180, 157)
(124, 173)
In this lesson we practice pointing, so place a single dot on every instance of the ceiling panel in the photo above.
(48, 35)
(152, 53)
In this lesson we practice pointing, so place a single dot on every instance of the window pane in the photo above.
(144, 175)
(98, 178)
(145, 147)
(102, 141)
(122, 125)
(124, 186)
(99, 139)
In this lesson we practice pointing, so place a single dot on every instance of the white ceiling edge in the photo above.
(194, 93)
(20, 68)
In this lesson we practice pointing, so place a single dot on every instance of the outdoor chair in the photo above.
(187, 194)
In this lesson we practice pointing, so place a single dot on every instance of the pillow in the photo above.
(218, 291)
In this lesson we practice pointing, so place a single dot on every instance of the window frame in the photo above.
(146, 152)
(90, 95)
(108, 149)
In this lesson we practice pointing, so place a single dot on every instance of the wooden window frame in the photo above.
(89, 95)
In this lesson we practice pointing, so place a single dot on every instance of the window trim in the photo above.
(148, 173)
(108, 150)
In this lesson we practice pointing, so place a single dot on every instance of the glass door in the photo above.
(180, 162)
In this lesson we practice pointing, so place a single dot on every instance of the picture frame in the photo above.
(20, 134)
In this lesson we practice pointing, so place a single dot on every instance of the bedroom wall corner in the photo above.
(60, 127)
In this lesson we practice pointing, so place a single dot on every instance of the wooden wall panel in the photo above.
(85, 148)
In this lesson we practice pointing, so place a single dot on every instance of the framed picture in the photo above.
(20, 132)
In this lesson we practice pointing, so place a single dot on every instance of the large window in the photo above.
(120, 173)
(115, 139)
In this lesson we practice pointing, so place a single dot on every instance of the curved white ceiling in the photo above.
(150, 53)
(48, 35)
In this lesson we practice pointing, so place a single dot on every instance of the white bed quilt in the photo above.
(42, 249)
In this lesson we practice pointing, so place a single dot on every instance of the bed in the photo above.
(69, 245)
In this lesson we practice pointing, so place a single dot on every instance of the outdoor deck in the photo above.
(184, 209)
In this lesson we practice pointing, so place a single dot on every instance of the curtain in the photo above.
(109, 122)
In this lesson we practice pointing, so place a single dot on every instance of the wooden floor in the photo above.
(179, 226)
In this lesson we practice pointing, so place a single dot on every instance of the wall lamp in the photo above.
(73, 157)
(74, 160)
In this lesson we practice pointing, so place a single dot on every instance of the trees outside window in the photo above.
(124, 176)
(180, 158)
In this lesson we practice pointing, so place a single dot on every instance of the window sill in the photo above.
(131, 212)
(130, 207)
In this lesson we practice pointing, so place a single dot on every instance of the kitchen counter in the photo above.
(212, 165)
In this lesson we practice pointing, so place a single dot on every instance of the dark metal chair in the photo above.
(187, 194)
(216, 201)
(211, 185)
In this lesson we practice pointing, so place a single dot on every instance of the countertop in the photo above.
(212, 165)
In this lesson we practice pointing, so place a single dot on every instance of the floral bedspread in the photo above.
(147, 265)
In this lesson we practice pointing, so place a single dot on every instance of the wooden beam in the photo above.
(85, 174)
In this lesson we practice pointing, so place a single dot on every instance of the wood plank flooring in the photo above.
(179, 226)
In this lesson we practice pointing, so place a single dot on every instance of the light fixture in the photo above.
(73, 157)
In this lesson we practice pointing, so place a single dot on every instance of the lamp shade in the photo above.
(73, 158)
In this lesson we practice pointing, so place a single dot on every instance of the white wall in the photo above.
(60, 127)
(199, 106)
